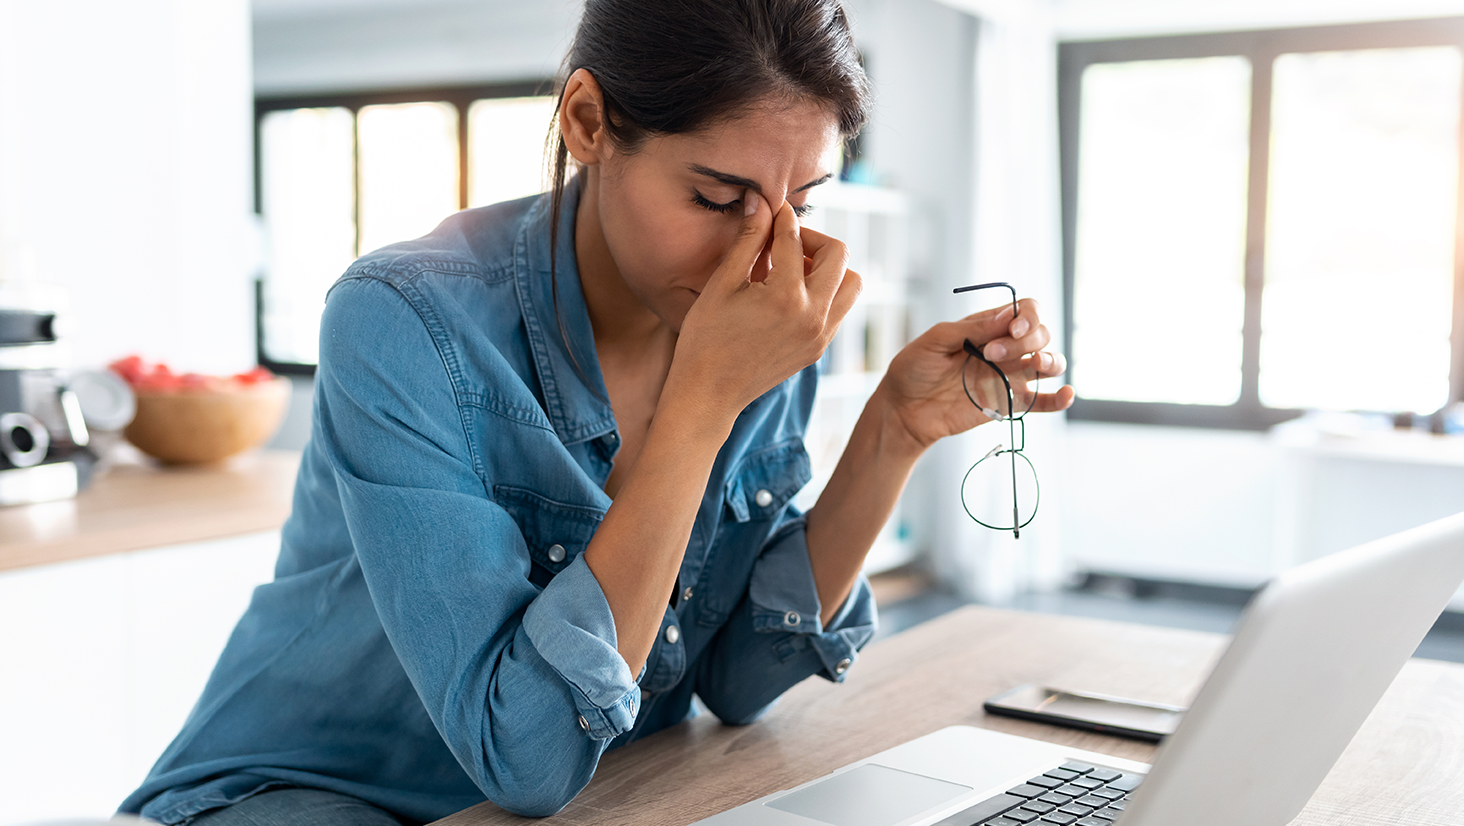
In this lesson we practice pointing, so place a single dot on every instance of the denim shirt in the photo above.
(433, 636)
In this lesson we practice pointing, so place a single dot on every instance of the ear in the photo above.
(582, 119)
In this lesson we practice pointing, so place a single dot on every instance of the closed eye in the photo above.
(725, 209)
(701, 201)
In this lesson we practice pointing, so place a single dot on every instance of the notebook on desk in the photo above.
(1311, 656)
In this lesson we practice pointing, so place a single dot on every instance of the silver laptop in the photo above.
(1313, 653)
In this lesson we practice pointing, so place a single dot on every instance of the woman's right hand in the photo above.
(749, 331)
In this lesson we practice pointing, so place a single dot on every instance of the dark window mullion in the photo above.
(462, 105)
(1259, 170)
(1069, 114)
(356, 176)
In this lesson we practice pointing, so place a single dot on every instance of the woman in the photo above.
(545, 499)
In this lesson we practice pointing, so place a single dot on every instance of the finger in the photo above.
(752, 236)
(1004, 348)
(1012, 333)
(830, 259)
(1053, 364)
(1027, 318)
(979, 328)
(1053, 402)
(849, 289)
(786, 247)
(1039, 365)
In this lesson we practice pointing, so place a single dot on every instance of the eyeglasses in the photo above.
(991, 484)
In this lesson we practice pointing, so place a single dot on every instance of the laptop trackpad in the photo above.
(870, 795)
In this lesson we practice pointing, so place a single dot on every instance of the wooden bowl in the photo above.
(197, 426)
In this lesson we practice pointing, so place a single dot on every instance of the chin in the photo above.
(674, 314)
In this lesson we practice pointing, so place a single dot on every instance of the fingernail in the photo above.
(1019, 327)
(994, 352)
(752, 199)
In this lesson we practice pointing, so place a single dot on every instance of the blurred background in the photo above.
(1241, 220)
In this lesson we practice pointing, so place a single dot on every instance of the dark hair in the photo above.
(668, 67)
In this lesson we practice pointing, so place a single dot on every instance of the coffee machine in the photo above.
(44, 453)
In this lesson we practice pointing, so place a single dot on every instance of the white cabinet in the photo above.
(1337, 492)
(1236, 508)
(102, 659)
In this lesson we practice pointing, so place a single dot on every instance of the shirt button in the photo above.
(763, 498)
(672, 634)
(686, 595)
(556, 553)
(791, 618)
(584, 724)
(842, 666)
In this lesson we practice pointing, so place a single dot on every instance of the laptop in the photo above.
(1312, 654)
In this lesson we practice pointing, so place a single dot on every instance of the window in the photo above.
(343, 175)
(1260, 223)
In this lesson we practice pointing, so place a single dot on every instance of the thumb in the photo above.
(752, 236)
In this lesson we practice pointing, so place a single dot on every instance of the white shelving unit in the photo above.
(873, 222)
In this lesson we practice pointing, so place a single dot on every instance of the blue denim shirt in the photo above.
(432, 636)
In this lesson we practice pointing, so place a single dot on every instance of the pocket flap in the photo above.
(556, 532)
(764, 481)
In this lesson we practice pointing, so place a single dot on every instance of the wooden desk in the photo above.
(134, 505)
(1406, 766)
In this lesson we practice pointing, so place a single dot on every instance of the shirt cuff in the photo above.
(784, 600)
(571, 626)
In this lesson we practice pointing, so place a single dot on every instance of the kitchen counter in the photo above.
(135, 504)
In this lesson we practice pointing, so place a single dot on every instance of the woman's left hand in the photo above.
(923, 382)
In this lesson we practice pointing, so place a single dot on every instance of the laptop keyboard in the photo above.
(1073, 794)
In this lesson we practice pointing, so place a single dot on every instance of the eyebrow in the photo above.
(735, 180)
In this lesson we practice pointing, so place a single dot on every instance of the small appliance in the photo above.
(44, 441)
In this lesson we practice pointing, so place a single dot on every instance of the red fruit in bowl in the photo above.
(258, 375)
(160, 378)
(130, 368)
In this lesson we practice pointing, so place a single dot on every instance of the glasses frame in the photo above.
(1017, 444)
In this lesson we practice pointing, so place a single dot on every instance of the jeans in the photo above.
(298, 807)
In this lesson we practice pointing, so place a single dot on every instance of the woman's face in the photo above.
(670, 211)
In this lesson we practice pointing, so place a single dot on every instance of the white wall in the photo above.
(125, 166)
(322, 46)
(1098, 19)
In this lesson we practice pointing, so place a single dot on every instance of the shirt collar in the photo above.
(564, 346)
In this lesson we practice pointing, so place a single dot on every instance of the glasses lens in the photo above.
(999, 399)
(1000, 491)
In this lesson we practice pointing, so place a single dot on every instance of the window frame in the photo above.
(461, 98)
(1261, 47)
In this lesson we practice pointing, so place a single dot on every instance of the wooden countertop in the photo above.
(135, 504)
(1402, 767)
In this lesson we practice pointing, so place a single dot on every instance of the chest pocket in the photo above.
(764, 481)
(755, 493)
(555, 532)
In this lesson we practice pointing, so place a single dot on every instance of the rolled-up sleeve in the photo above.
(524, 685)
(571, 626)
(774, 639)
